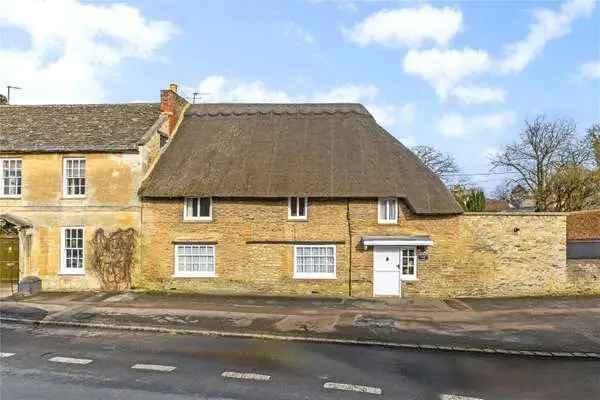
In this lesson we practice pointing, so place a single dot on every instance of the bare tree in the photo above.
(444, 165)
(544, 147)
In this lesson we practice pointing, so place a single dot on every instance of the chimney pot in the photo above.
(173, 87)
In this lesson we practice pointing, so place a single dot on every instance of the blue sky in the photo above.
(461, 76)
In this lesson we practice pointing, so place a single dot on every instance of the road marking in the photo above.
(69, 360)
(352, 388)
(456, 397)
(154, 367)
(245, 375)
(6, 355)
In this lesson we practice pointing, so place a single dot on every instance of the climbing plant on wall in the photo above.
(112, 257)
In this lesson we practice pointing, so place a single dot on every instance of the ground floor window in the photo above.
(194, 260)
(314, 262)
(409, 263)
(72, 249)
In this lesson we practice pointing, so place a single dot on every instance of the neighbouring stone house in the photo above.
(67, 170)
(286, 199)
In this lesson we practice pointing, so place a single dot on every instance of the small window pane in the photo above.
(294, 206)
(205, 207)
(301, 207)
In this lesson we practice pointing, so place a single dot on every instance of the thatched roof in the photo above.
(71, 128)
(280, 150)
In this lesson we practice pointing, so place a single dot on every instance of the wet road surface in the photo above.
(53, 363)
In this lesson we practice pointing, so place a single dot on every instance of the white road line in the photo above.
(69, 360)
(6, 355)
(245, 375)
(456, 397)
(352, 388)
(154, 367)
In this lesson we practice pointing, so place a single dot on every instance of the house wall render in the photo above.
(110, 203)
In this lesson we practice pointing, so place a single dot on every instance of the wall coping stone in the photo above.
(516, 214)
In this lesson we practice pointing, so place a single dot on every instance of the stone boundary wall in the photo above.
(522, 254)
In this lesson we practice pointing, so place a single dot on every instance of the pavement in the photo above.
(529, 326)
(48, 362)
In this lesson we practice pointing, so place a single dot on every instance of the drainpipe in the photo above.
(349, 248)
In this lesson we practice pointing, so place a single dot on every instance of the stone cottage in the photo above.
(285, 199)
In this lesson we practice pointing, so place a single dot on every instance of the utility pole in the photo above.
(8, 92)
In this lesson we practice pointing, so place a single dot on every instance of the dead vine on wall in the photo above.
(112, 257)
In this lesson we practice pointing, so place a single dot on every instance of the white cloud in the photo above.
(218, 88)
(74, 47)
(590, 70)
(444, 69)
(407, 27)
(298, 33)
(548, 25)
(455, 125)
(479, 94)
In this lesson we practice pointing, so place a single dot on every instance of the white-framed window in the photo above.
(10, 183)
(74, 177)
(388, 211)
(197, 209)
(314, 262)
(408, 263)
(72, 249)
(194, 260)
(298, 208)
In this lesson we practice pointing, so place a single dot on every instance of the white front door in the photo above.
(386, 271)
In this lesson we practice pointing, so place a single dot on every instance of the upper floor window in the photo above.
(10, 185)
(197, 209)
(297, 207)
(388, 211)
(74, 177)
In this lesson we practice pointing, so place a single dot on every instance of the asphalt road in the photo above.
(98, 365)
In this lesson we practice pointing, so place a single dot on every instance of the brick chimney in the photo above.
(172, 105)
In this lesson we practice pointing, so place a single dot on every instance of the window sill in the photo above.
(409, 279)
(71, 274)
(194, 276)
(387, 222)
(9, 197)
(292, 219)
(195, 220)
(315, 276)
(73, 197)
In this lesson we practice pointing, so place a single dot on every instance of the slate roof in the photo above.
(280, 150)
(72, 128)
